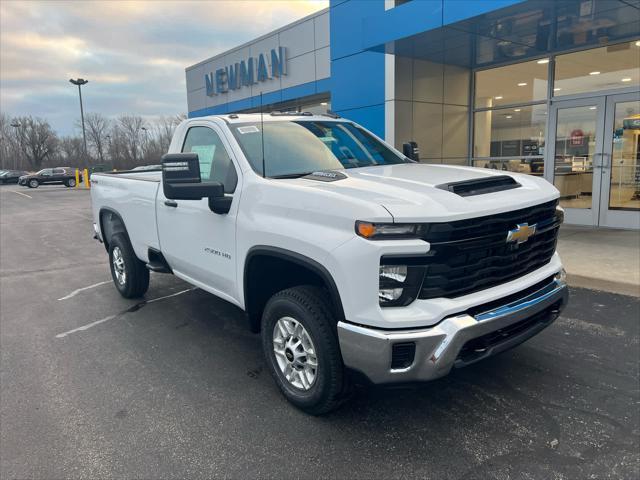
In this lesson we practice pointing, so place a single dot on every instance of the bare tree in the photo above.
(11, 155)
(129, 136)
(164, 129)
(37, 140)
(6, 141)
(98, 128)
(71, 152)
(157, 144)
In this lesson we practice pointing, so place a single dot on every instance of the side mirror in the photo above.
(411, 151)
(181, 181)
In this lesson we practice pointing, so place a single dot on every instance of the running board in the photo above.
(157, 263)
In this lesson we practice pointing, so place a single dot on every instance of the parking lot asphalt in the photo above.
(177, 388)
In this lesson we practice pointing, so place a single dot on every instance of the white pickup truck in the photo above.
(353, 261)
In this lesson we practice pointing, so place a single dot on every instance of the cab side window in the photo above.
(215, 163)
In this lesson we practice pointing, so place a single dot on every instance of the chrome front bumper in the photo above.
(456, 341)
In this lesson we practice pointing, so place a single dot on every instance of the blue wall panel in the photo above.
(358, 81)
(370, 117)
(408, 19)
(357, 76)
(346, 23)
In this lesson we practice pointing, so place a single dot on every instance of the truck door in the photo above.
(198, 244)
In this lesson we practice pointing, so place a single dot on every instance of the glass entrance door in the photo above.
(593, 159)
(620, 195)
(575, 155)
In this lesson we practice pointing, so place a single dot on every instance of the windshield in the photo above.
(298, 148)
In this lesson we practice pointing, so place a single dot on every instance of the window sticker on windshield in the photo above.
(248, 129)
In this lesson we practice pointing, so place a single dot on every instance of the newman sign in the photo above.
(246, 73)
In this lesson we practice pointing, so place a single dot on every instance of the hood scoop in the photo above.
(480, 186)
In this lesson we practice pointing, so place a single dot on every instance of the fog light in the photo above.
(399, 284)
(386, 295)
(397, 273)
(561, 277)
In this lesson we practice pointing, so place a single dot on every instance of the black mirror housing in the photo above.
(411, 151)
(181, 179)
(180, 168)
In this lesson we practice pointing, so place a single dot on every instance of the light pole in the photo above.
(17, 125)
(146, 141)
(108, 137)
(79, 82)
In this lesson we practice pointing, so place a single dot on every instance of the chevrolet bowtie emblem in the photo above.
(521, 233)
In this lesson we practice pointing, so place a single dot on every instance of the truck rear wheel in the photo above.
(301, 347)
(130, 275)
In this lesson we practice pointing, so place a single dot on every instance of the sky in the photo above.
(133, 53)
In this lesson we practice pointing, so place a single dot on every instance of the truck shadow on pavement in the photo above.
(557, 405)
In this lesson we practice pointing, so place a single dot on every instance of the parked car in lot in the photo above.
(352, 260)
(11, 176)
(50, 176)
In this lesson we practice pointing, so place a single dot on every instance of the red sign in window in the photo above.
(577, 138)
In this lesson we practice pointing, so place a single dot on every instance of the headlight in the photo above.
(399, 284)
(376, 231)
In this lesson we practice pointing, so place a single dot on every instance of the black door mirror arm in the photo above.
(220, 205)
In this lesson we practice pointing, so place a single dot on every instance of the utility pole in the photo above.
(79, 82)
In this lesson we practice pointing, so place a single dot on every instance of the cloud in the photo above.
(133, 53)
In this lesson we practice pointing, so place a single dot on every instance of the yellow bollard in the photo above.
(77, 178)
(85, 174)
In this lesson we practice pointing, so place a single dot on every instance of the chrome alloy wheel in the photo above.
(118, 266)
(295, 353)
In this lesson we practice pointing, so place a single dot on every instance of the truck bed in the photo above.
(133, 196)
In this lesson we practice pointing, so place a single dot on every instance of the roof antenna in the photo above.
(264, 172)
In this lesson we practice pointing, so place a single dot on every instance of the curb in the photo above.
(610, 286)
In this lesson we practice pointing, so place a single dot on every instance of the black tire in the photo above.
(308, 305)
(136, 279)
(71, 182)
(33, 183)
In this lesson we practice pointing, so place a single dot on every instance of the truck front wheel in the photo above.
(130, 275)
(301, 348)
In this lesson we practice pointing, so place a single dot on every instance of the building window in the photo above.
(513, 84)
(598, 69)
(510, 138)
(510, 117)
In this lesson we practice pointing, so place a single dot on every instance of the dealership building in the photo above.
(543, 87)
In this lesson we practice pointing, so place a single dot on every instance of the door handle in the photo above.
(171, 203)
(602, 164)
